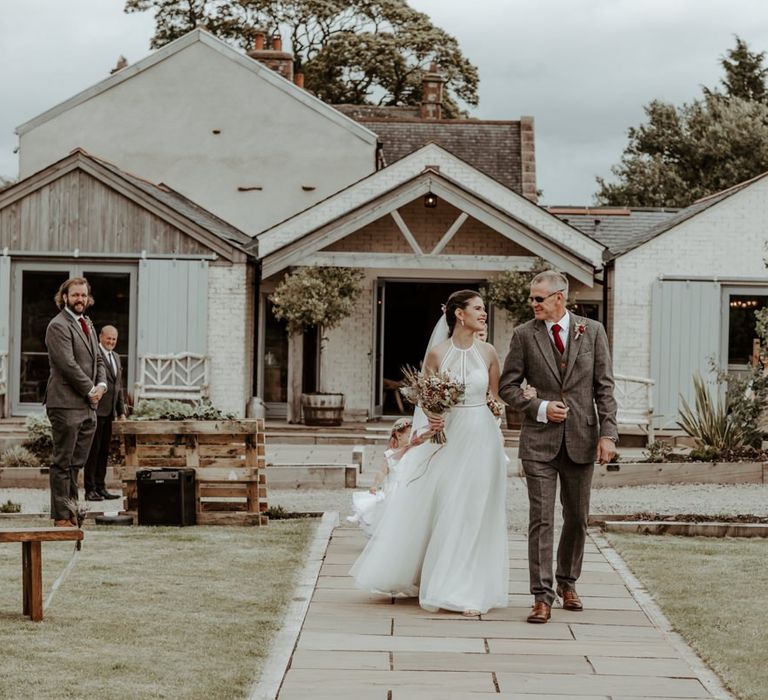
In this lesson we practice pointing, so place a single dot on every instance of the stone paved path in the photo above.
(354, 646)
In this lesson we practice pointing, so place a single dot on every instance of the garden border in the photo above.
(272, 673)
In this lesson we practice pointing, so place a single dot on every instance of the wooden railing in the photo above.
(634, 396)
(183, 376)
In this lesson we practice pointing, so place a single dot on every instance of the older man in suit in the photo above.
(566, 427)
(111, 406)
(76, 382)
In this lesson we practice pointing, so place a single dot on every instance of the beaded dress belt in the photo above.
(469, 405)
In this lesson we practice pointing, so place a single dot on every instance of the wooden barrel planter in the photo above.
(322, 409)
(228, 457)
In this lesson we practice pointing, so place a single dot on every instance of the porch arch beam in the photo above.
(522, 234)
(450, 233)
(341, 228)
(484, 263)
(406, 232)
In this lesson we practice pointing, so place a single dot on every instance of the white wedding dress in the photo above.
(443, 534)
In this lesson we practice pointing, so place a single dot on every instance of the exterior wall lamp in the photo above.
(430, 200)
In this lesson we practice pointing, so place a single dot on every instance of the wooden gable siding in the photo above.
(428, 227)
(78, 211)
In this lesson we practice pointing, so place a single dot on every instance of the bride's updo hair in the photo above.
(457, 300)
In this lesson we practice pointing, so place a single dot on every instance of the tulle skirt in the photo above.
(442, 535)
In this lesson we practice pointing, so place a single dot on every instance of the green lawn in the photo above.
(715, 594)
(165, 612)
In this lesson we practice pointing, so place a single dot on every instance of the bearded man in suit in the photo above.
(76, 382)
(569, 425)
(111, 406)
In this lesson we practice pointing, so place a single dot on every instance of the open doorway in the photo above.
(408, 313)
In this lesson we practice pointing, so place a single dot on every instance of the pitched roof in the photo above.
(491, 146)
(195, 221)
(682, 215)
(203, 37)
(432, 168)
(614, 227)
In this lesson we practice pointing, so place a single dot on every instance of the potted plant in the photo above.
(510, 291)
(318, 297)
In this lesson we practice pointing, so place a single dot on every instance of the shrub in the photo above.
(10, 507)
(16, 457)
(168, 409)
(747, 398)
(510, 291)
(657, 451)
(319, 297)
(39, 438)
(713, 429)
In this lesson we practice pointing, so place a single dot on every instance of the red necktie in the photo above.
(558, 340)
(84, 326)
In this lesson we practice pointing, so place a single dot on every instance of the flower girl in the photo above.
(367, 506)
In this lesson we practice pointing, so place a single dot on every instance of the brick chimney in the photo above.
(528, 159)
(432, 94)
(273, 57)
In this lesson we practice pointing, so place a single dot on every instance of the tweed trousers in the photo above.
(575, 485)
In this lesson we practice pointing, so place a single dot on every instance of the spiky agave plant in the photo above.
(709, 423)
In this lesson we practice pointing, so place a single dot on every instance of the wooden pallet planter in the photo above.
(228, 457)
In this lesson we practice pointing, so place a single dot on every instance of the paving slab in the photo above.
(368, 647)
(633, 650)
(517, 663)
(646, 686)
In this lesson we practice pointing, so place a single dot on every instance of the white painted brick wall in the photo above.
(228, 339)
(346, 361)
(727, 240)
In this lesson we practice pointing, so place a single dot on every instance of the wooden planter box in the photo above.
(643, 473)
(227, 456)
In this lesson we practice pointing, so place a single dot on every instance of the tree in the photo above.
(744, 73)
(351, 51)
(684, 153)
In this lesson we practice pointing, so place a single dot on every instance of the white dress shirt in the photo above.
(564, 323)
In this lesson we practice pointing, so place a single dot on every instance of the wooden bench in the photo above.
(32, 561)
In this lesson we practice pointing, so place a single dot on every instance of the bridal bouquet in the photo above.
(435, 392)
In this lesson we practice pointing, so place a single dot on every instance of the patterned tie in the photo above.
(84, 326)
(558, 340)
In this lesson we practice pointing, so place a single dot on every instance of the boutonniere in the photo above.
(580, 328)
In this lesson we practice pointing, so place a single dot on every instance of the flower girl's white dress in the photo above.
(367, 507)
(443, 534)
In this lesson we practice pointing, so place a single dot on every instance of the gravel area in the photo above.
(705, 499)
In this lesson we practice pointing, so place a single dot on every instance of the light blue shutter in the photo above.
(173, 307)
(685, 338)
(5, 303)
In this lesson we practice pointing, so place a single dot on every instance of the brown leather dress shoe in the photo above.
(541, 612)
(571, 600)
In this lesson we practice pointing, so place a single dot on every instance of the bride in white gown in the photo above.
(443, 535)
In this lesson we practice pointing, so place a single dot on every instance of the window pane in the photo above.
(741, 326)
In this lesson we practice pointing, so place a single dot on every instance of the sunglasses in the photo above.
(538, 300)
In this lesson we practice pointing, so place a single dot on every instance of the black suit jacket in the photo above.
(112, 403)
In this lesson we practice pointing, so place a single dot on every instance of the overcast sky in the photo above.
(582, 68)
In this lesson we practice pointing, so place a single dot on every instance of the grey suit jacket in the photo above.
(76, 365)
(586, 388)
(112, 403)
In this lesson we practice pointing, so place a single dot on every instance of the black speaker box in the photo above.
(166, 496)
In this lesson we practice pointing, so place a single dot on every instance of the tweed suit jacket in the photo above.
(586, 387)
(112, 403)
(76, 363)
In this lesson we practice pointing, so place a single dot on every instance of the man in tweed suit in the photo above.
(76, 382)
(566, 427)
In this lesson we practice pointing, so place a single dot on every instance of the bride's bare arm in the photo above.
(494, 370)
